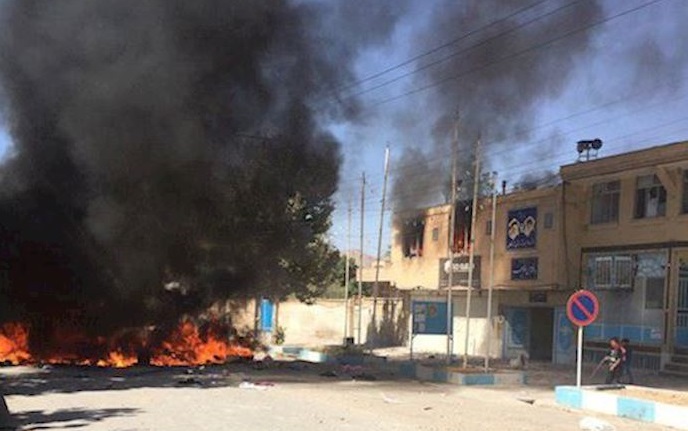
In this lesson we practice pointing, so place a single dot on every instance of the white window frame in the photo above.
(606, 195)
(621, 272)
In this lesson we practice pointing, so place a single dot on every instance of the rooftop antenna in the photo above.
(588, 149)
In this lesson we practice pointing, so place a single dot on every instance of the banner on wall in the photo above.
(525, 268)
(521, 229)
(429, 318)
(460, 269)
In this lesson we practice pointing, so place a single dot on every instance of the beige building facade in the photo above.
(615, 225)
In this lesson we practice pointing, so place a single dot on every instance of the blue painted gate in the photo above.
(267, 315)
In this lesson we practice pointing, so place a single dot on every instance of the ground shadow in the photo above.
(66, 419)
(33, 381)
(393, 326)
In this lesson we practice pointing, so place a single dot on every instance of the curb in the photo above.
(589, 398)
(314, 356)
(427, 373)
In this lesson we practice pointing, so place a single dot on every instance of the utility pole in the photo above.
(493, 185)
(376, 286)
(471, 252)
(347, 272)
(450, 249)
(360, 263)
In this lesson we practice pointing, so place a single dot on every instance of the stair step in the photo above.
(679, 359)
(681, 351)
(673, 366)
(674, 373)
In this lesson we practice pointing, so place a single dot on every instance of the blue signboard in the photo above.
(266, 315)
(429, 318)
(524, 268)
(521, 229)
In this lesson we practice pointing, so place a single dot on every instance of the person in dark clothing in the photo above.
(615, 361)
(627, 374)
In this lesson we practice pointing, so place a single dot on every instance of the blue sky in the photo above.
(597, 101)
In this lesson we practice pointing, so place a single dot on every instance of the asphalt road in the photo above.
(291, 398)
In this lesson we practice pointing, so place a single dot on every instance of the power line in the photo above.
(516, 54)
(430, 160)
(437, 48)
(523, 168)
(470, 48)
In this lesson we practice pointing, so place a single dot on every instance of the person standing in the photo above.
(627, 374)
(615, 360)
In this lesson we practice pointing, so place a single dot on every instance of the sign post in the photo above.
(582, 309)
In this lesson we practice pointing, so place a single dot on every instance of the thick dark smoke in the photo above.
(162, 142)
(496, 84)
(497, 101)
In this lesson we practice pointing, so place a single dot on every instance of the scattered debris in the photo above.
(427, 409)
(593, 424)
(352, 369)
(364, 377)
(262, 361)
(258, 386)
(389, 400)
(189, 381)
(526, 400)
(520, 362)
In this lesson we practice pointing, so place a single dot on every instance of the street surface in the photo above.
(287, 397)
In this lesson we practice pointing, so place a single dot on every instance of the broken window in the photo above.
(412, 237)
(650, 198)
(462, 226)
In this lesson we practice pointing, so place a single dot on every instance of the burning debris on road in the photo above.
(167, 156)
(185, 344)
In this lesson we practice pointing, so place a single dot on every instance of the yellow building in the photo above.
(629, 225)
(616, 225)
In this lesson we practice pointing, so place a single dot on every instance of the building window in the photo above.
(650, 197)
(488, 227)
(549, 220)
(685, 192)
(412, 237)
(605, 202)
(611, 272)
(654, 293)
(435, 234)
(651, 267)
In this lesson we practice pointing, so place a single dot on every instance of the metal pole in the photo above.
(579, 358)
(471, 259)
(492, 272)
(450, 248)
(376, 288)
(347, 272)
(360, 263)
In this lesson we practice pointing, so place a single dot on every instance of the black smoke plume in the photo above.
(493, 100)
(167, 154)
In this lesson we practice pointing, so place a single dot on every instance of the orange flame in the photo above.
(186, 345)
(14, 344)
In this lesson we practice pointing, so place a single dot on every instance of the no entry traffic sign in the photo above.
(582, 308)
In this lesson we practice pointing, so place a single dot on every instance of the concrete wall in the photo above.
(322, 323)
(477, 341)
